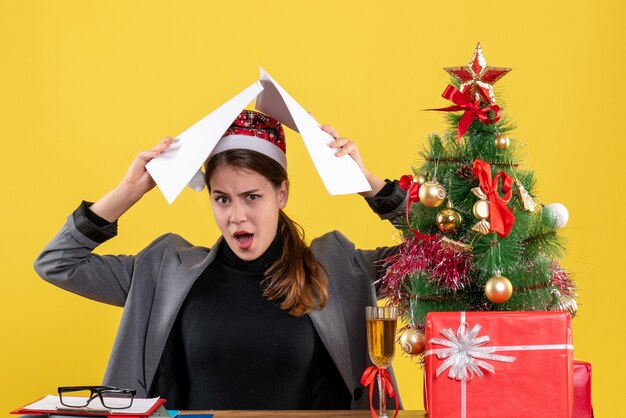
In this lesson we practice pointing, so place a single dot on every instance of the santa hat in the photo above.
(257, 132)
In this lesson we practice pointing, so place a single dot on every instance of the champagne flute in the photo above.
(381, 342)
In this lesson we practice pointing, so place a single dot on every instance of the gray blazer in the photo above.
(152, 285)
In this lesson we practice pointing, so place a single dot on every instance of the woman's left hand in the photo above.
(345, 146)
(348, 147)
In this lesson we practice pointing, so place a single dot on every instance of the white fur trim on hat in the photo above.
(253, 143)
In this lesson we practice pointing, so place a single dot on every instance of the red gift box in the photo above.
(499, 364)
(582, 390)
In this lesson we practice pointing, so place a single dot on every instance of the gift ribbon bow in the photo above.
(466, 354)
(500, 216)
(472, 110)
(413, 189)
(368, 379)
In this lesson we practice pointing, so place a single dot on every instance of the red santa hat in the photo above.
(257, 132)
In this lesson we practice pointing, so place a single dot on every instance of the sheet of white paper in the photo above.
(52, 403)
(340, 175)
(180, 164)
(270, 102)
(175, 168)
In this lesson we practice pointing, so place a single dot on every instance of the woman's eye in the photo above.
(221, 200)
(253, 196)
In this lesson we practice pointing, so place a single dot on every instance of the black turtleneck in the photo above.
(241, 351)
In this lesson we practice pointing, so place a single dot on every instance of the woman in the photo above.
(260, 320)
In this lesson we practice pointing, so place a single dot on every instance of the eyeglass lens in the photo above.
(95, 398)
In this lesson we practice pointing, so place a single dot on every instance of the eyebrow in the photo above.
(217, 191)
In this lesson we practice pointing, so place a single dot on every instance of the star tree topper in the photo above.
(476, 79)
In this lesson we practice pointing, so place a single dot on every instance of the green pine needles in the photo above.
(451, 274)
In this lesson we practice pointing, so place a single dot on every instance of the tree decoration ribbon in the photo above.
(500, 216)
(466, 355)
(369, 378)
(487, 115)
(413, 188)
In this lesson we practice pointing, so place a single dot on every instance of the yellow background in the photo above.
(84, 85)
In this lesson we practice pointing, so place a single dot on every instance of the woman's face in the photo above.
(246, 207)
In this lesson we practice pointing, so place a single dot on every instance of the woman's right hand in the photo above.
(136, 182)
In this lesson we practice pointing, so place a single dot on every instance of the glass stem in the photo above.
(382, 398)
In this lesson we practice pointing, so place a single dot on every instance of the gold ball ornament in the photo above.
(412, 341)
(421, 179)
(502, 142)
(563, 303)
(449, 220)
(498, 289)
(432, 194)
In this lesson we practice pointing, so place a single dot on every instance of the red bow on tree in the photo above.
(500, 216)
(413, 187)
(368, 378)
(472, 110)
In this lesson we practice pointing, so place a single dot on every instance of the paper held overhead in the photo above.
(175, 168)
(180, 165)
(340, 175)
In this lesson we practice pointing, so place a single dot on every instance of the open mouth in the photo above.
(243, 239)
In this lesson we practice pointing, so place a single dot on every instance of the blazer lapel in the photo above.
(171, 291)
(331, 327)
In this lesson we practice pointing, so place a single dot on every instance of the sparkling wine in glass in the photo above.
(381, 343)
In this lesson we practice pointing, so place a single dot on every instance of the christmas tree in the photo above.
(476, 237)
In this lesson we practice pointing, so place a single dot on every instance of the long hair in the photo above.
(296, 280)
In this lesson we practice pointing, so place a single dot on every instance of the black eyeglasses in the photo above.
(110, 396)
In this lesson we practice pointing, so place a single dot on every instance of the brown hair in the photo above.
(296, 280)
